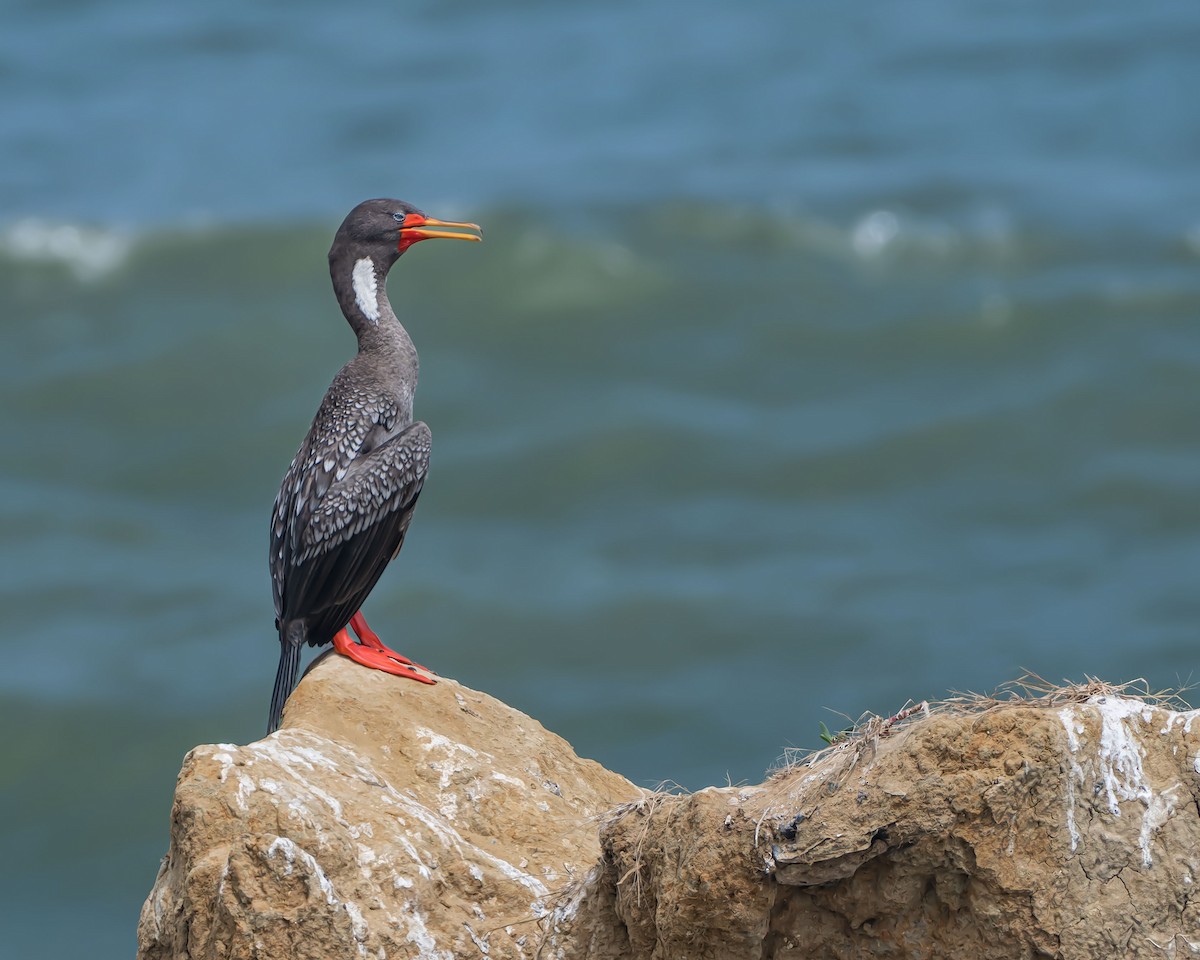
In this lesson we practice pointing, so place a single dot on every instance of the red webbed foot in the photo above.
(371, 652)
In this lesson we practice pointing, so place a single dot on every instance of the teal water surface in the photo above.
(814, 361)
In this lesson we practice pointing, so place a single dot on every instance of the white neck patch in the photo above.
(366, 289)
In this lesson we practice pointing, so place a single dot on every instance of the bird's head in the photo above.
(369, 241)
(386, 228)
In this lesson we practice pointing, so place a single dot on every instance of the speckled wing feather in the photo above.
(350, 423)
(355, 531)
(341, 516)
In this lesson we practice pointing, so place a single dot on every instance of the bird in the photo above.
(346, 502)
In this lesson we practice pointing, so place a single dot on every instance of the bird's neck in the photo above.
(360, 283)
(384, 345)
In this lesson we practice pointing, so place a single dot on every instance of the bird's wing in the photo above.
(340, 544)
(348, 425)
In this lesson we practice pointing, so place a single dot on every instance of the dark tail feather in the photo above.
(285, 677)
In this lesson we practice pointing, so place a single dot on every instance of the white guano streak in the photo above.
(366, 289)
(1116, 766)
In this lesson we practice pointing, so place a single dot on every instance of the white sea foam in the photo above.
(89, 252)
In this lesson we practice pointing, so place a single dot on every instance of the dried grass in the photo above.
(1029, 689)
(645, 807)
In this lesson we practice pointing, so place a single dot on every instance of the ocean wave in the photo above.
(89, 252)
(595, 255)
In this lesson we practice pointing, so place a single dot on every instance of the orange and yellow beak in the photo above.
(418, 227)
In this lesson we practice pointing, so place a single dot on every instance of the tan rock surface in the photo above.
(385, 819)
(1068, 831)
(391, 820)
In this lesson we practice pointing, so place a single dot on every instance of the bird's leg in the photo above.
(368, 637)
(371, 652)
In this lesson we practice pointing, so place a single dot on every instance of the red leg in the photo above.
(368, 637)
(371, 652)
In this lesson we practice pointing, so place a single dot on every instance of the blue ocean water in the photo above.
(817, 359)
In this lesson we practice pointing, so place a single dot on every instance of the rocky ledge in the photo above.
(391, 820)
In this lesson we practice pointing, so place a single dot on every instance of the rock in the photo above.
(1054, 829)
(385, 819)
(391, 820)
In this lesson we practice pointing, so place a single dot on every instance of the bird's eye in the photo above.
(398, 217)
